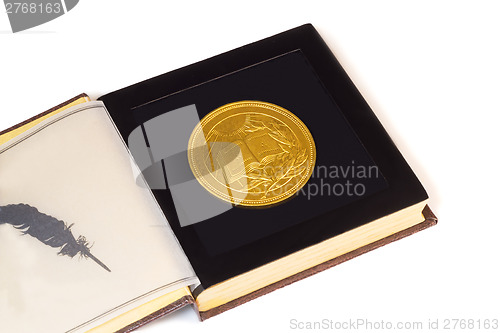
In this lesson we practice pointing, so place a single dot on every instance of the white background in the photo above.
(429, 69)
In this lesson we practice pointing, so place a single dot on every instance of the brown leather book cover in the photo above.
(9, 133)
(179, 304)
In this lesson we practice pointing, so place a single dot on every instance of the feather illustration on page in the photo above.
(48, 230)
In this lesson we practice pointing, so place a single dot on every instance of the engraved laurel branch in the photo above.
(278, 170)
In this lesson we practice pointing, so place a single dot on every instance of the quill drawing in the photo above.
(47, 229)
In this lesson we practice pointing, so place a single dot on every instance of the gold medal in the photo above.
(251, 153)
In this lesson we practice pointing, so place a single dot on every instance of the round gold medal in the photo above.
(251, 153)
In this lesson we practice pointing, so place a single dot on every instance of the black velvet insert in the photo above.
(288, 81)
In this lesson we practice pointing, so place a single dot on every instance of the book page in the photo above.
(80, 240)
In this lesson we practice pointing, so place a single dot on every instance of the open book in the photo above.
(113, 212)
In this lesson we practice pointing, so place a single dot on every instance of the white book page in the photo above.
(74, 167)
